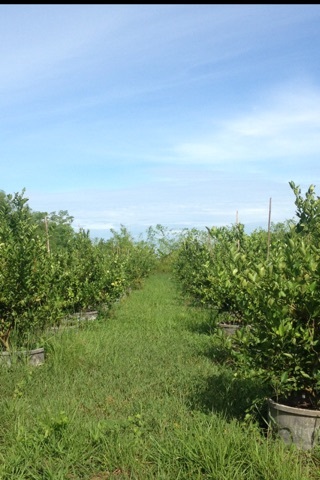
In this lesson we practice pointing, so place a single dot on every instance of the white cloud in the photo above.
(159, 114)
(40, 41)
(212, 198)
(286, 125)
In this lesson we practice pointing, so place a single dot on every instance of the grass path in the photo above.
(135, 395)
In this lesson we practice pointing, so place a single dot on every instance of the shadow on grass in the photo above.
(231, 397)
(223, 393)
(202, 321)
(223, 347)
(226, 392)
(204, 328)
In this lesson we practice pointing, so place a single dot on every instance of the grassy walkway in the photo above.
(137, 396)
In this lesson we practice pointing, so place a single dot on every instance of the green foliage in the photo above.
(77, 274)
(137, 257)
(47, 270)
(165, 243)
(56, 227)
(3, 198)
(191, 267)
(308, 210)
(208, 267)
(275, 290)
(25, 272)
(90, 275)
(283, 307)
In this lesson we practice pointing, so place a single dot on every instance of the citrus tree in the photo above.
(26, 304)
(282, 303)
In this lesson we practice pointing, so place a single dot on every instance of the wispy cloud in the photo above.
(173, 114)
(284, 126)
(62, 39)
(174, 196)
(70, 45)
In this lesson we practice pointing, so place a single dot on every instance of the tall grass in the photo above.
(137, 395)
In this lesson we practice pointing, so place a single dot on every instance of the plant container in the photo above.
(295, 425)
(229, 328)
(74, 320)
(85, 316)
(34, 357)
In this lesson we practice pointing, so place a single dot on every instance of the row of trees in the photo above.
(48, 270)
(272, 288)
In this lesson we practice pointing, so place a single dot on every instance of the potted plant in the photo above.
(206, 266)
(229, 323)
(228, 249)
(26, 305)
(282, 300)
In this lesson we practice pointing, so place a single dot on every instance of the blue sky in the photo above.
(174, 114)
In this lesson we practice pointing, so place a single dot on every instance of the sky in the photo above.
(179, 115)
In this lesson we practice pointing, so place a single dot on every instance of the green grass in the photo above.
(139, 394)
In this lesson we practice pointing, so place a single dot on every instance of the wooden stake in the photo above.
(269, 230)
(47, 233)
(237, 222)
